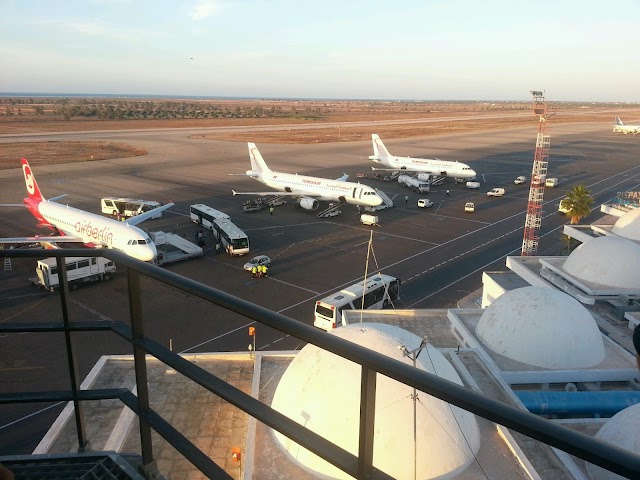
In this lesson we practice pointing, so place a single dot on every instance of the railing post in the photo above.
(74, 377)
(367, 422)
(140, 363)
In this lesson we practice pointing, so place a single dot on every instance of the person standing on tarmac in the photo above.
(270, 210)
(254, 271)
(217, 248)
(265, 269)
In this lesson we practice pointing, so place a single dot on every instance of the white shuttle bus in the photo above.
(128, 207)
(79, 270)
(233, 240)
(379, 291)
(204, 215)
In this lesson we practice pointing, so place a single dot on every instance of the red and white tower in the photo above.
(538, 177)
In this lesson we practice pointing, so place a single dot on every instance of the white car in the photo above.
(496, 192)
(425, 203)
(469, 207)
(258, 261)
(520, 180)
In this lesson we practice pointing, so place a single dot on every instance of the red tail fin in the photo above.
(30, 181)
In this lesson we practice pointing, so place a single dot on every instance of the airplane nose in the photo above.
(148, 253)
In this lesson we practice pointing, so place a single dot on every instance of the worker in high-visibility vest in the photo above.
(254, 271)
(265, 269)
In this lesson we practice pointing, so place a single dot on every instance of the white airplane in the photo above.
(310, 190)
(78, 226)
(620, 127)
(435, 166)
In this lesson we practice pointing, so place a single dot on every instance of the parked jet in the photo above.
(309, 190)
(433, 166)
(77, 226)
(620, 127)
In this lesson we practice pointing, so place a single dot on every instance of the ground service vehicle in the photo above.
(425, 203)
(473, 185)
(520, 180)
(258, 262)
(368, 219)
(128, 207)
(79, 270)
(551, 182)
(233, 240)
(204, 215)
(378, 291)
(496, 192)
(413, 183)
(469, 207)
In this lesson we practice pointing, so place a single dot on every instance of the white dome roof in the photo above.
(611, 261)
(542, 327)
(628, 225)
(622, 430)
(321, 391)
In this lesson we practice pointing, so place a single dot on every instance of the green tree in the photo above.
(577, 203)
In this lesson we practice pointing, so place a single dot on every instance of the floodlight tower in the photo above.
(538, 177)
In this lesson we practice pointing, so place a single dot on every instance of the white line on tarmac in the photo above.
(30, 415)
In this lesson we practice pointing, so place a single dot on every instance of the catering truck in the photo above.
(80, 270)
(413, 183)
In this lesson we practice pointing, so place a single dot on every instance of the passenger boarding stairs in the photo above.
(174, 248)
(332, 211)
(435, 181)
(386, 202)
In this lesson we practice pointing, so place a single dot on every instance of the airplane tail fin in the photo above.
(35, 196)
(618, 121)
(380, 152)
(30, 180)
(257, 162)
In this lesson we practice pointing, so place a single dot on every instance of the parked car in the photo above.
(496, 192)
(469, 207)
(276, 202)
(520, 180)
(425, 203)
(258, 262)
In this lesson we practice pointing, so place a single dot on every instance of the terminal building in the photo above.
(550, 335)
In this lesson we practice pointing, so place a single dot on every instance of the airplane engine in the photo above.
(309, 203)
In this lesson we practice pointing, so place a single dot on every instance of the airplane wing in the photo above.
(263, 194)
(37, 239)
(343, 178)
(143, 216)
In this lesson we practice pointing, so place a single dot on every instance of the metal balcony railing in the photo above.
(580, 445)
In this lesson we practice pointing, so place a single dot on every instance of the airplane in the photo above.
(78, 226)
(620, 127)
(309, 190)
(435, 166)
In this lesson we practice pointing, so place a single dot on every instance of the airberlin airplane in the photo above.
(78, 226)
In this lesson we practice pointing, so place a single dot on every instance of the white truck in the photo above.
(551, 182)
(473, 185)
(496, 192)
(128, 207)
(369, 219)
(520, 180)
(413, 183)
(80, 270)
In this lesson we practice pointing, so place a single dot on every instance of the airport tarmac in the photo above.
(439, 253)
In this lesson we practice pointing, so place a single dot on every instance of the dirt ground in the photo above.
(52, 152)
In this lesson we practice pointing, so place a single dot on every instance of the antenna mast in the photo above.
(538, 177)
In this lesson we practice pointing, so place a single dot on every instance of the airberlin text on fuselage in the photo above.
(103, 235)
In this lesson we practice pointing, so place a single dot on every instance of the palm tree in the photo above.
(577, 203)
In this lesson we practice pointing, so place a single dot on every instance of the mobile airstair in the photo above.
(386, 202)
(435, 181)
(332, 211)
(174, 248)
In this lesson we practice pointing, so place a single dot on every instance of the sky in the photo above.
(583, 50)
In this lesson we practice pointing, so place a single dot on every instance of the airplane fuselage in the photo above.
(96, 230)
(436, 167)
(321, 188)
(632, 129)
